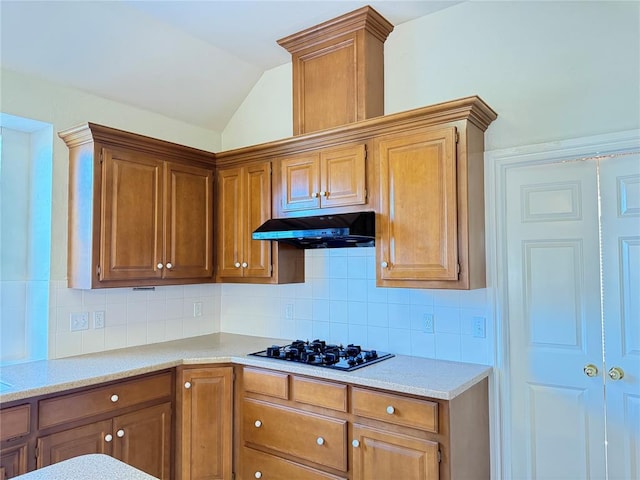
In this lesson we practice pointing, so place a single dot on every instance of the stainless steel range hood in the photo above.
(323, 231)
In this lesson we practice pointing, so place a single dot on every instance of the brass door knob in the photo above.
(616, 373)
(590, 370)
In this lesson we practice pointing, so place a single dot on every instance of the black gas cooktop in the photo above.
(323, 354)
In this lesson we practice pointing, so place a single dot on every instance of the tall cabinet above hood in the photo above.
(323, 231)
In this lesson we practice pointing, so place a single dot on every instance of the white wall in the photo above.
(132, 317)
(551, 70)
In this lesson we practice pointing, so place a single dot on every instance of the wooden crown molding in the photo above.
(365, 18)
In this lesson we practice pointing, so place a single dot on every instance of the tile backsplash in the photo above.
(340, 302)
(132, 317)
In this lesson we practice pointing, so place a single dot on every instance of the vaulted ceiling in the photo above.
(194, 61)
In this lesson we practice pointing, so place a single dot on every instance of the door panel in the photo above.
(258, 210)
(230, 224)
(620, 203)
(343, 176)
(189, 236)
(131, 216)
(300, 182)
(145, 440)
(71, 443)
(557, 421)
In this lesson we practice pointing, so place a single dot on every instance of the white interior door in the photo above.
(620, 204)
(554, 322)
(572, 265)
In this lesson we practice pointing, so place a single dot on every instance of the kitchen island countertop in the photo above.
(87, 467)
(413, 375)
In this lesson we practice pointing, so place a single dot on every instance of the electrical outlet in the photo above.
(479, 327)
(98, 319)
(197, 309)
(288, 311)
(79, 321)
(427, 321)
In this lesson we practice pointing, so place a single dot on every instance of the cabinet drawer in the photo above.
(273, 384)
(14, 422)
(75, 406)
(397, 409)
(256, 464)
(309, 436)
(319, 393)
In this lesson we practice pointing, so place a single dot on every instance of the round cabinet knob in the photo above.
(245, 264)
(320, 441)
(616, 373)
(160, 266)
(391, 410)
(114, 398)
(187, 385)
(314, 194)
(590, 370)
(108, 437)
(323, 194)
(237, 264)
(120, 433)
(384, 264)
(258, 474)
(355, 443)
(169, 265)
(257, 423)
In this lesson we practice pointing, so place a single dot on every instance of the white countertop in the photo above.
(413, 375)
(87, 467)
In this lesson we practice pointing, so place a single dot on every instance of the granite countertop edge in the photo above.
(440, 379)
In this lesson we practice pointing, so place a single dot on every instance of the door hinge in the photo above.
(439, 456)
(98, 270)
(457, 137)
(270, 269)
(458, 269)
(37, 453)
(365, 151)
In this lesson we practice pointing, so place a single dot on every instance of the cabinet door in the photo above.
(189, 222)
(205, 423)
(343, 176)
(13, 461)
(230, 222)
(418, 205)
(93, 438)
(142, 439)
(131, 217)
(257, 203)
(300, 182)
(378, 454)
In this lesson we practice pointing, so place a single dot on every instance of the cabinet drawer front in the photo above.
(273, 384)
(390, 408)
(14, 422)
(312, 437)
(258, 464)
(75, 406)
(319, 393)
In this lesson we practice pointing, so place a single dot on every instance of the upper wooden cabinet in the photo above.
(140, 210)
(338, 70)
(244, 203)
(334, 177)
(431, 215)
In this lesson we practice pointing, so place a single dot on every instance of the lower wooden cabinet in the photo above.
(13, 460)
(141, 439)
(380, 454)
(292, 426)
(204, 417)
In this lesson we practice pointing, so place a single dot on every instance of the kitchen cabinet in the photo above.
(130, 420)
(204, 417)
(295, 426)
(15, 427)
(243, 204)
(333, 177)
(140, 210)
(431, 211)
